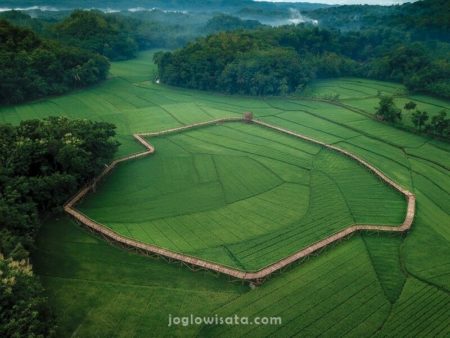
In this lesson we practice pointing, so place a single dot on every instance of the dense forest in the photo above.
(31, 67)
(42, 163)
(224, 23)
(108, 35)
(41, 57)
(115, 36)
(405, 43)
(119, 36)
(428, 19)
(281, 60)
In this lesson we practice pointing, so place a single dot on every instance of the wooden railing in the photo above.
(257, 276)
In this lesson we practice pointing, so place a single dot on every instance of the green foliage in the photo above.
(387, 111)
(254, 63)
(21, 19)
(420, 73)
(115, 35)
(427, 19)
(380, 54)
(24, 310)
(410, 105)
(422, 20)
(440, 124)
(223, 23)
(31, 67)
(42, 162)
(419, 118)
(273, 72)
(108, 35)
(201, 63)
(56, 146)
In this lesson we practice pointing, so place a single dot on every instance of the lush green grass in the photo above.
(390, 286)
(260, 194)
(100, 290)
(421, 311)
(363, 95)
(352, 89)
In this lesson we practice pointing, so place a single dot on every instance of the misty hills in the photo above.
(191, 5)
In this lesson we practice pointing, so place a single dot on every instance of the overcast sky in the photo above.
(346, 2)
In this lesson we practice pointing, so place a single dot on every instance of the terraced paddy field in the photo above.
(363, 96)
(369, 285)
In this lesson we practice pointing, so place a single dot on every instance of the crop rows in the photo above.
(364, 194)
(327, 213)
(422, 311)
(384, 253)
(346, 281)
(255, 208)
(100, 290)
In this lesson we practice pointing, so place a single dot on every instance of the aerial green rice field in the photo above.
(240, 195)
(261, 195)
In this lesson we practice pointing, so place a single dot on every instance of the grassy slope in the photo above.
(357, 288)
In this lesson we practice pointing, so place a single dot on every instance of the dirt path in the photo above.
(261, 275)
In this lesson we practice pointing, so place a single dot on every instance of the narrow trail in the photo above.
(195, 263)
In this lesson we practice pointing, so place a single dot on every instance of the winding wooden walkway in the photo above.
(258, 276)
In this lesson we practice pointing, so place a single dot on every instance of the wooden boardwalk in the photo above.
(258, 276)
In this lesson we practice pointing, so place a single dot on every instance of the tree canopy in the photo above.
(42, 162)
(108, 35)
(31, 67)
(255, 62)
(223, 23)
(387, 111)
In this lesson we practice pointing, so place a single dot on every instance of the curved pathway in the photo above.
(262, 274)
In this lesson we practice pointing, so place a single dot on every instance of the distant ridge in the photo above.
(192, 5)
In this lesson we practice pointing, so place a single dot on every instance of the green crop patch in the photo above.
(240, 195)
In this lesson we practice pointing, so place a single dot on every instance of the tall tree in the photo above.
(440, 125)
(387, 111)
(419, 118)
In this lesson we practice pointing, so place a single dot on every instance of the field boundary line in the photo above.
(196, 263)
